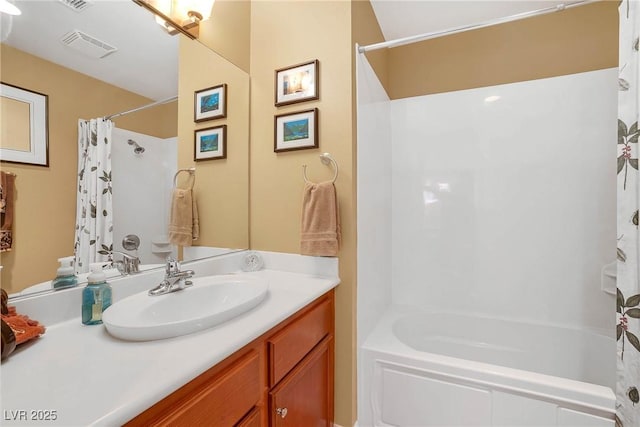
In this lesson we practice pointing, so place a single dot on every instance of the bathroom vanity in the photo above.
(271, 366)
(283, 378)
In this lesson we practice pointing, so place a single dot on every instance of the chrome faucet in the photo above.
(174, 279)
(129, 264)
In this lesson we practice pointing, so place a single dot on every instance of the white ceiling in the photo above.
(147, 58)
(404, 18)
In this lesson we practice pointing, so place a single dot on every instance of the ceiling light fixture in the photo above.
(179, 16)
(8, 8)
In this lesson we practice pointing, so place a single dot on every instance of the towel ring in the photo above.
(192, 172)
(325, 158)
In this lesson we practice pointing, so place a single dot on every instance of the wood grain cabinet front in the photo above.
(223, 400)
(291, 344)
(305, 396)
(283, 378)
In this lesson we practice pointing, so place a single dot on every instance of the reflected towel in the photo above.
(7, 188)
(320, 231)
(184, 226)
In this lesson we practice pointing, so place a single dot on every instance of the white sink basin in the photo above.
(210, 301)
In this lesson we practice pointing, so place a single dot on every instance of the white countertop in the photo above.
(90, 378)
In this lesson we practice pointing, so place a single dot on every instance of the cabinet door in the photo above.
(305, 396)
(252, 419)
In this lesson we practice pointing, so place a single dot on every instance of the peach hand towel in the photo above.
(320, 231)
(184, 226)
(7, 184)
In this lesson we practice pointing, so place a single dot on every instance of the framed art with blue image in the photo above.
(296, 131)
(210, 143)
(210, 103)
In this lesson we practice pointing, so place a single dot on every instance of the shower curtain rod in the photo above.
(144, 107)
(435, 34)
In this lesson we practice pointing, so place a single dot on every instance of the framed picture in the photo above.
(296, 131)
(210, 143)
(210, 103)
(297, 83)
(24, 137)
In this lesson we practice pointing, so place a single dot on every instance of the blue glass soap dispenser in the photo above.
(96, 297)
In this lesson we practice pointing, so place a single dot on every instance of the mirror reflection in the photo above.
(128, 63)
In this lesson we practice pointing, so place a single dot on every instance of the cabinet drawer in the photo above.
(226, 400)
(290, 345)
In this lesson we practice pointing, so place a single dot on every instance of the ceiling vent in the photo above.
(90, 46)
(76, 5)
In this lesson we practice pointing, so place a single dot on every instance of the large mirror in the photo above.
(101, 58)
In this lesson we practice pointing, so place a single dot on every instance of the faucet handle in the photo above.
(172, 266)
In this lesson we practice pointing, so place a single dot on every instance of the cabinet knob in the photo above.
(282, 412)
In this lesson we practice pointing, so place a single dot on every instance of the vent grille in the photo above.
(76, 5)
(88, 45)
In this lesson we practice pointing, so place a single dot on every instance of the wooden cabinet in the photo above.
(283, 378)
(304, 397)
(291, 344)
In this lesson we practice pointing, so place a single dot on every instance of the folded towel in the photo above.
(7, 184)
(22, 326)
(320, 231)
(184, 226)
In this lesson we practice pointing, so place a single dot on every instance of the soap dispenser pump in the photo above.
(65, 277)
(96, 297)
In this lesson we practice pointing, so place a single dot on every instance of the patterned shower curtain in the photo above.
(628, 299)
(94, 211)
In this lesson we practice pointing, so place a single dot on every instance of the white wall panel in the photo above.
(142, 186)
(374, 199)
(503, 199)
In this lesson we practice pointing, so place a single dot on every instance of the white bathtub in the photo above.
(443, 369)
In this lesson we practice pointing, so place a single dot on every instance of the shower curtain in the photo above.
(94, 211)
(628, 298)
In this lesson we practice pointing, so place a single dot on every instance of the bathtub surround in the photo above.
(463, 381)
(475, 211)
(628, 274)
(142, 192)
(94, 206)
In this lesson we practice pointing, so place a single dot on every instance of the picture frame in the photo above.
(210, 143)
(24, 136)
(296, 131)
(297, 83)
(210, 103)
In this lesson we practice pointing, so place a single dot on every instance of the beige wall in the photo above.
(14, 124)
(222, 185)
(288, 33)
(572, 41)
(366, 31)
(45, 196)
(227, 31)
